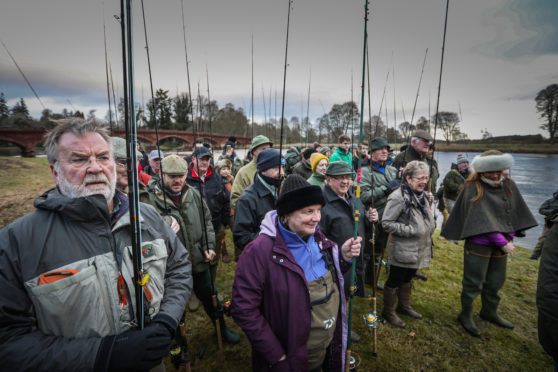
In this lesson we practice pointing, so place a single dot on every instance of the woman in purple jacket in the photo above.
(286, 295)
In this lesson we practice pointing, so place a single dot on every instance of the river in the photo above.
(536, 175)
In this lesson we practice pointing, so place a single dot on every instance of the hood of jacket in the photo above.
(81, 209)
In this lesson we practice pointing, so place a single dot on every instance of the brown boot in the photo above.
(404, 306)
(390, 297)
(224, 254)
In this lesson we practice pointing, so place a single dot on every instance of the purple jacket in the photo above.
(271, 302)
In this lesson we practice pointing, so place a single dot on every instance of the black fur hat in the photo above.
(297, 193)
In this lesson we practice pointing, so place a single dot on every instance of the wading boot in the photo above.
(390, 297)
(404, 305)
(228, 335)
(466, 320)
(495, 278)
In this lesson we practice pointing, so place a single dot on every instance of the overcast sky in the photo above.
(499, 54)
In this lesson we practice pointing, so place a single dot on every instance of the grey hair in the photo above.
(78, 126)
(414, 139)
(414, 167)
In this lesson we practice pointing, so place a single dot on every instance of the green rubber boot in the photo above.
(466, 320)
(495, 278)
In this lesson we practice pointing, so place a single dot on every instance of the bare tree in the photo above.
(547, 106)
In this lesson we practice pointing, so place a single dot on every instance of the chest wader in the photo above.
(484, 273)
(324, 299)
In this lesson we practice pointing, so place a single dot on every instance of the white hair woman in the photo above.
(409, 220)
(286, 292)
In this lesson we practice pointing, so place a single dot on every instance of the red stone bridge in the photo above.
(29, 138)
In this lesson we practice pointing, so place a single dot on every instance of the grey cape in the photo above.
(501, 209)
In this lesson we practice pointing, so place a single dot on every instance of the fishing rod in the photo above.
(284, 80)
(188, 75)
(357, 211)
(381, 105)
(132, 169)
(106, 69)
(22, 74)
(394, 110)
(209, 107)
(415, 106)
(265, 112)
(113, 95)
(438, 99)
(167, 211)
(252, 102)
(308, 106)
(370, 319)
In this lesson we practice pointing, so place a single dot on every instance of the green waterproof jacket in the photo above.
(188, 214)
(380, 191)
(243, 179)
(453, 182)
(411, 154)
(317, 179)
(340, 155)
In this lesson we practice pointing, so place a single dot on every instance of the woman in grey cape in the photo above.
(488, 213)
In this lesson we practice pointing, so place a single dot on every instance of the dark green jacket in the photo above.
(188, 214)
(411, 154)
(380, 190)
(547, 294)
(453, 182)
(501, 209)
(549, 209)
(303, 169)
(317, 179)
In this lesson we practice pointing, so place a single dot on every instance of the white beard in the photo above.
(74, 191)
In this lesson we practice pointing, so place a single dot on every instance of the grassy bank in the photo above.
(435, 343)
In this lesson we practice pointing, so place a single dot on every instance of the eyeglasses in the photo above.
(82, 161)
(345, 177)
(423, 178)
(121, 164)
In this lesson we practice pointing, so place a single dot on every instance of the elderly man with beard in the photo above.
(186, 205)
(67, 273)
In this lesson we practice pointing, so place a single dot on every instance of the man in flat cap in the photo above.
(186, 205)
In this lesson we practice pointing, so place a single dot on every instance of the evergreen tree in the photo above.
(4, 110)
(20, 109)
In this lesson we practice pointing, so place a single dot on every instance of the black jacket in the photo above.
(250, 210)
(338, 221)
(214, 194)
(547, 294)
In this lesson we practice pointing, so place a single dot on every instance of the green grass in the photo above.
(435, 343)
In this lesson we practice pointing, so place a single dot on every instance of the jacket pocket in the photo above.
(155, 256)
(72, 307)
(405, 254)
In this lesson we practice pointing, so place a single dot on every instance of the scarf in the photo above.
(413, 198)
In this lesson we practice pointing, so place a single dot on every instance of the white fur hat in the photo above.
(492, 161)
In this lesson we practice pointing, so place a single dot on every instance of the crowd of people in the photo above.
(68, 278)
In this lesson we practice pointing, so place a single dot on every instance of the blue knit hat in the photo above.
(269, 158)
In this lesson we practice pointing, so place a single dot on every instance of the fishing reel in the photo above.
(354, 362)
(227, 307)
(371, 320)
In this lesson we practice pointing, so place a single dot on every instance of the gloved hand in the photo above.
(395, 183)
(137, 350)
